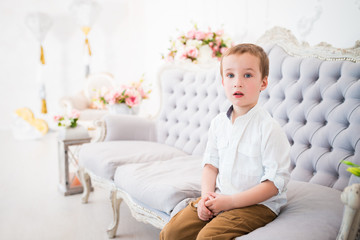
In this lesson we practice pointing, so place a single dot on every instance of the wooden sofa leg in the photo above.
(115, 203)
(351, 218)
(86, 182)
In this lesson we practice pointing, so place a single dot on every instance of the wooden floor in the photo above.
(31, 206)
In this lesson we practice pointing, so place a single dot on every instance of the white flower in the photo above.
(177, 44)
(227, 40)
(193, 43)
(66, 122)
(205, 54)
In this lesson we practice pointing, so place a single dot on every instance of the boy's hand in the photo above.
(218, 203)
(203, 212)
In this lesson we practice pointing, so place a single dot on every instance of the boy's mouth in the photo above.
(238, 94)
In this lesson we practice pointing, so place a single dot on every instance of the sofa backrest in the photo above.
(190, 100)
(316, 101)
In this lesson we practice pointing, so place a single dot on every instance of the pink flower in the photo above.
(191, 34)
(142, 92)
(209, 35)
(223, 50)
(218, 40)
(74, 114)
(219, 32)
(113, 96)
(132, 100)
(57, 118)
(193, 52)
(183, 55)
(199, 35)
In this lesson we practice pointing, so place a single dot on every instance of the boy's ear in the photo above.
(264, 83)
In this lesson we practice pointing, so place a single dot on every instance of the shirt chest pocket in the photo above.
(249, 159)
(249, 149)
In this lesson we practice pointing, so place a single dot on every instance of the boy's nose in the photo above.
(238, 82)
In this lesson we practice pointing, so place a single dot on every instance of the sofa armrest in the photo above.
(78, 101)
(351, 218)
(127, 127)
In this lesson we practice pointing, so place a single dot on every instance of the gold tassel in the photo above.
(86, 31)
(43, 106)
(88, 45)
(42, 57)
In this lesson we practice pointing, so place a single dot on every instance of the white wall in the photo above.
(129, 36)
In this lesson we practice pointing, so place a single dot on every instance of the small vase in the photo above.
(120, 108)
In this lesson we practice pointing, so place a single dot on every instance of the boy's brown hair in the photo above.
(252, 49)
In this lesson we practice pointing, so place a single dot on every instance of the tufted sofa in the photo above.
(153, 165)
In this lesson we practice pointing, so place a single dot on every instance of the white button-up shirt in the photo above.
(247, 152)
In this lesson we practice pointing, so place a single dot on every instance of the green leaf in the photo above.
(350, 163)
(354, 170)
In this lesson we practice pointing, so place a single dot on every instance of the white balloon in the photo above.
(39, 24)
(85, 11)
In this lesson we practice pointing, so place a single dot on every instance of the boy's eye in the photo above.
(247, 75)
(230, 75)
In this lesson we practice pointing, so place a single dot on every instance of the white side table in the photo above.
(69, 143)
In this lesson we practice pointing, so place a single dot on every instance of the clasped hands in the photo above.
(211, 204)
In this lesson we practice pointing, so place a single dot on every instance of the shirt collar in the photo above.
(231, 109)
(228, 113)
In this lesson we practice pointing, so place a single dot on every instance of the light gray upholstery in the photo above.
(145, 181)
(312, 212)
(190, 101)
(318, 104)
(103, 158)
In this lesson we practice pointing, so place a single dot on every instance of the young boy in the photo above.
(246, 161)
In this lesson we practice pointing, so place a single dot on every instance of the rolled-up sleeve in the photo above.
(211, 155)
(276, 156)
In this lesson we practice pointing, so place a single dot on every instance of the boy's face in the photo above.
(242, 81)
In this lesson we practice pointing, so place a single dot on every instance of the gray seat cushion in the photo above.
(312, 212)
(161, 185)
(102, 158)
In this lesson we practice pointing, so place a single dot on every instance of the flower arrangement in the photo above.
(131, 95)
(199, 46)
(354, 168)
(68, 121)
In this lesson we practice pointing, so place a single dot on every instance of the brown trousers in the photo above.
(186, 225)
